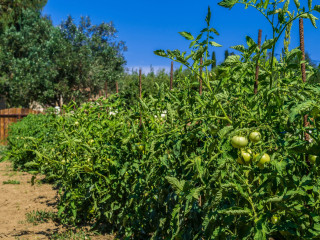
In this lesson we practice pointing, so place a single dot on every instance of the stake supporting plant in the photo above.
(140, 93)
(280, 18)
(140, 85)
(117, 87)
(303, 70)
(200, 79)
(257, 66)
(199, 50)
(303, 65)
(171, 76)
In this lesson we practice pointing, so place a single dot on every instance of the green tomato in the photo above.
(246, 155)
(265, 158)
(274, 219)
(239, 142)
(255, 137)
(313, 159)
(140, 146)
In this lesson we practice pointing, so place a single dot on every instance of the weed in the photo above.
(71, 234)
(40, 216)
(11, 182)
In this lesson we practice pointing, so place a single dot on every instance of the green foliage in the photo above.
(105, 177)
(46, 64)
(90, 58)
(279, 18)
(34, 129)
(163, 166)
(25, 64)
(11, 11)
(151, 82)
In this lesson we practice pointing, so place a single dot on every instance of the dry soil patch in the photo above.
(16, 200)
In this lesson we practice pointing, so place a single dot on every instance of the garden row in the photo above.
(187, 175)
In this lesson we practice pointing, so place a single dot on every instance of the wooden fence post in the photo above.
(171, 76)
(257, 66)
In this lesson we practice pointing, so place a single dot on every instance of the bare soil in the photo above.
(19, 198)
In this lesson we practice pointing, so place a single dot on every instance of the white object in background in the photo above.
(113, 113)
(57, 108)
(310, 138)
(163, 114)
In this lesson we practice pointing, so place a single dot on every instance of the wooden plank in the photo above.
(16, 111)
(24, 112)
(9, 120)
(1, 129)
(4, 126)
(10, 116)
(13, 115)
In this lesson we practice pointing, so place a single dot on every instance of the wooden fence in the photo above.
(12, 115)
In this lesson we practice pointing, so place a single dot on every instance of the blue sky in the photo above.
(146, 26)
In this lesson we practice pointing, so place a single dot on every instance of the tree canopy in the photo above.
(43, 63)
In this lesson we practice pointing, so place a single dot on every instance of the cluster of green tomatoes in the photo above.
(246, 155)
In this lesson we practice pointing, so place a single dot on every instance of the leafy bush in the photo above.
(25, 135)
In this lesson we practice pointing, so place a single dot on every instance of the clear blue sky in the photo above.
(146, 26)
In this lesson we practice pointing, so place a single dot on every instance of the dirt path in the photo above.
(19, 201)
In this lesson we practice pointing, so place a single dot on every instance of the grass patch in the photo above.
(10, 174)
(72, 235)
(40, 216)
(11, 182)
